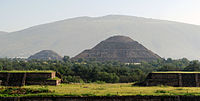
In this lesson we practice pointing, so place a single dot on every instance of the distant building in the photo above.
(21, 78)
(173, 78)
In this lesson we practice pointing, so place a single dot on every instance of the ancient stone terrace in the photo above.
(173, 78)
(21, 78)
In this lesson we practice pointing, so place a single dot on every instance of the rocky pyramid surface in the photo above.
(46, 55)
(119, 48)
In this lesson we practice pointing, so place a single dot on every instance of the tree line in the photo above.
(93, 71)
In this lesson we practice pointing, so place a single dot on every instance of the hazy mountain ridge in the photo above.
(2, 32)
(71, 36)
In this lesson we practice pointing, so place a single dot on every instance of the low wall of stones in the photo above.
(40, 75)
(32, 78)
(154, 79)
(173, 79)
(43, 82)
(32, 75)
(112, 98)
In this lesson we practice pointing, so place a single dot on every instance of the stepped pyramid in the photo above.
(119, 48)
(45, 55)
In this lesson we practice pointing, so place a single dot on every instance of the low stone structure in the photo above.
(21, 78)
(173, 78)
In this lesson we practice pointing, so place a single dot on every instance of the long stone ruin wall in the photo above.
(173, 79)
(32, 78)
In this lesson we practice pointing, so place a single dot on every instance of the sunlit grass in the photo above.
(121, 89)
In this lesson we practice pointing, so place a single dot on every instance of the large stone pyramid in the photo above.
(119, 48)
(45, 55)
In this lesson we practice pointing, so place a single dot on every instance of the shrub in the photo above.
(100, 82)
(18, 91)
(161, 91)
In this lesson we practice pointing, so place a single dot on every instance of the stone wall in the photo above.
(99, 98)
(28, 78)
(40, 75)
(173, 79)
(43, 82)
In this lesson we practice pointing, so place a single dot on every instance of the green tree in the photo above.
(193, 66)
(66, 58)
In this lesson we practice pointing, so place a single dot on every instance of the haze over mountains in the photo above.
(1, 32)
(71, 36)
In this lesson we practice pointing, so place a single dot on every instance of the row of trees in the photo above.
(92, 71)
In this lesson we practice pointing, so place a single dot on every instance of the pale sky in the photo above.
(19, 14)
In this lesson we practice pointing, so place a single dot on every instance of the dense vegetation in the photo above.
(92, 71)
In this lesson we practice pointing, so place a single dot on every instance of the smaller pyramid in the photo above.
(119, 48)
(45, 55)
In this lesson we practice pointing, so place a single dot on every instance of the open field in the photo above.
(120, 89)
(93, 89)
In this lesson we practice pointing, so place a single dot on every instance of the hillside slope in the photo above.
(71, 36)
(1, 32)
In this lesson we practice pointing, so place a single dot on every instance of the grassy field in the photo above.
(120, 89)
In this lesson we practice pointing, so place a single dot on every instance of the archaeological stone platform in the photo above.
(173, 78)
(21, 78)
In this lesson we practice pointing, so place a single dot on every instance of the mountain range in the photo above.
(71, 36)
(1, 32)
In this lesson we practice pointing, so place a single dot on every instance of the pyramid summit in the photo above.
(122, 39)
(119, 48)
(46, 55)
